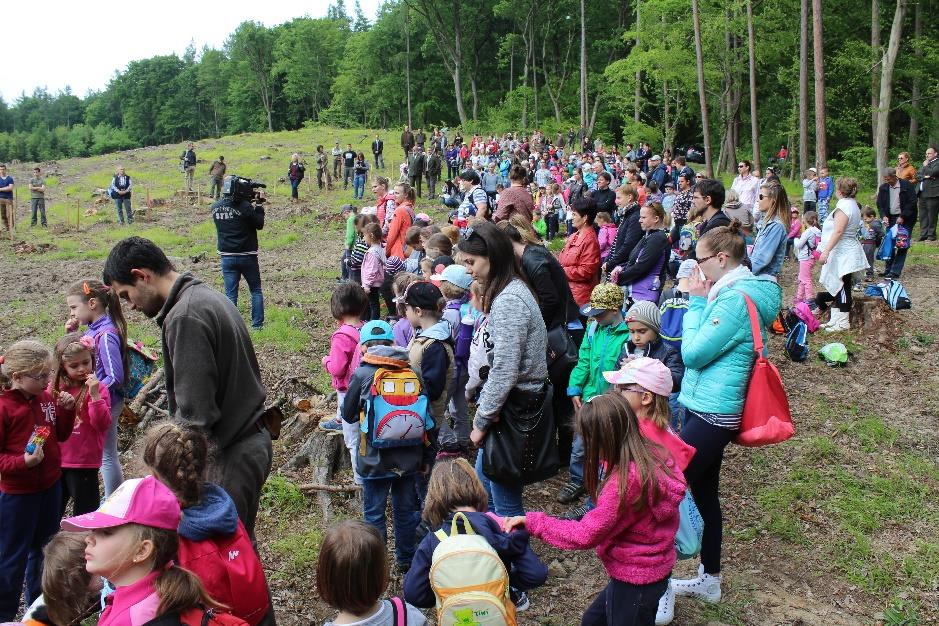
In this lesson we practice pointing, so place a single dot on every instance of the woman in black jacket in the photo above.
(642, 273)
(629, 232)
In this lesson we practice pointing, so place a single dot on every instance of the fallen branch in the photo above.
(154, 381)
(158, 410)
(330, 488)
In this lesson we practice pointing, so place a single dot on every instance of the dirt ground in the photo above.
(836, 526)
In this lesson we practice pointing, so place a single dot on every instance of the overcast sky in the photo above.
(82, 44)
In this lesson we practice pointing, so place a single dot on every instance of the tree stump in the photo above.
(874, 317)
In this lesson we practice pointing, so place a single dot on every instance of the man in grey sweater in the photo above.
(212, 374)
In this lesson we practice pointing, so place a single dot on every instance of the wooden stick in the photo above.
(78, 215)
(330, 488)
(158, 410)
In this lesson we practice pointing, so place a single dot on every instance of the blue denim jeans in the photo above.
(405, 512)
(358, 186)
(122, 205)
(233, 268)
(577, 460)
(504, 500)
(294, 187)
(895, 265)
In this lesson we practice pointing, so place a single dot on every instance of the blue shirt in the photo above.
(3, 183)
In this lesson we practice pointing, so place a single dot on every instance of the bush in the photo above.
(857, 162)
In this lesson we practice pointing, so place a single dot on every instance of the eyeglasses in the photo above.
(708, 258)
(39, 377)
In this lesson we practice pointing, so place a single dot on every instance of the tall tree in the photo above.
(754, 126)
(818, 52)
(583, 64)
(702, 95)
(446, 25)
(407, 60)
(803, 85)
(251, 47)
(876, 56)
(882, 136)
(914, 90)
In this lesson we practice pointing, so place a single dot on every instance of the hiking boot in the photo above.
(576, 513)
(520, 598)
(703, 587)
(570, 492)
(666, 612)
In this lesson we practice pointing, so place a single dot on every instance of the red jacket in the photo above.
(400, 224)
(580, 259)
(85, 448)
(18, 416)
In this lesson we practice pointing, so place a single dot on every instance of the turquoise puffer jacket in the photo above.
(717, 344)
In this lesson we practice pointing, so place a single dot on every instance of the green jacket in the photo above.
(599, 352)
(350, 231)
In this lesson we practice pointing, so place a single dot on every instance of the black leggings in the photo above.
(841, 300)
(703, 475)
(625, 604)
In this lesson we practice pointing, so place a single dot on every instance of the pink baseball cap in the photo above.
(650, 374)
(145, 501)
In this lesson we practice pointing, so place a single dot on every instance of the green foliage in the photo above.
(857, 162)
(281, 496)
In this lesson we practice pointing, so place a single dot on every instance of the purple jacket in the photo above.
(109, 364)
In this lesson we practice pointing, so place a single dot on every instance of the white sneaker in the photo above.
(666, 612)
(840, 320)
(704, 587)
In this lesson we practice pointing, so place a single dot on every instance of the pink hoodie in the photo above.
(605, 238)
(85, 447)
(344, 355)
(634, 548)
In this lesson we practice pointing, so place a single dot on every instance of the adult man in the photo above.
(434, 166)
(378, 147)
(189, 164)
(120, 192)
(6, 197)
(420, 138)
(679, 168)
(746, 185)
(407, 141)
(896, 201)
(322, 169)
(217, 177)
(928, 177)
(706, 202)
(657, 171)
(348, 166)
(416, 164)
(337, 160)
(603, 195)
(211, 371)
(37, 196)
(475, 202)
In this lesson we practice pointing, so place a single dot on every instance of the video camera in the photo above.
(240, 188)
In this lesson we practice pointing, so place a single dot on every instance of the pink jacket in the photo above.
(132, 605)
(795, 229)
(634, 548)
(344, 355)
(85, 447)
(605, 239)
(373, 268)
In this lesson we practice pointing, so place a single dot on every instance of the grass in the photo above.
(281, 496)
(281, 329)
(299, 551)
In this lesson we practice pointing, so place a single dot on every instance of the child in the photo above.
(133, 544)
(795, 229)
(645, 323)
(646, 385)
(373, 269)
(438, 245)
(634, 524)
(455, 487)
(213, 543)
(359, 248)
(809, 190)
(402, 328)
(606, 235)
(668, 199)
(69, 592)
(385, 467)
(600, 350)
(452, 233)
(349, 213)
(413, 249)
(30, 491)
(92, 303)
(870, 234)
(806, 251)
(353, 552)
(553, 209)
(538, 223)
(477, 365)
(675, 305)
(454, 285)
(82, 452)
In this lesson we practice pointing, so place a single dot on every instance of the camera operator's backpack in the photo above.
(469, 580)
(396, 410)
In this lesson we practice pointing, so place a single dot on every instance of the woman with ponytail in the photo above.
(94, 304)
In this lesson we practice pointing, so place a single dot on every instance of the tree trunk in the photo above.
(638, 92)
(583, 65)
(876, 56)
(914, 91)
(534, 69)
(702, 95)
(754, 127)
(882, 137)
(803, 86)
(818, 51)
(666, 134)
(407, 61)
(512, 64)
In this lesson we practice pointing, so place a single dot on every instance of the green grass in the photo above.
(281, 329)
(299, 551)
(281, 496)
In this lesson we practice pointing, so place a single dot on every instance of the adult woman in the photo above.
(683, 200)
(401, 221)
(736, 211)
(769, 247)
(576, 187)
(518, 372)
(842, 255)
(490, 181)
(360, 175)
(580, 257)
(641, 276)
(384, 202)
(475, 200)
(295, 174)
(717, 349)
(516, 198)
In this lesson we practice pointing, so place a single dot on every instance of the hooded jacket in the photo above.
(627, 236)
(85, 447)
(665, 353)
(372, 463)
(599, 352)
(717, 344)
(214, 546)
(526, 571)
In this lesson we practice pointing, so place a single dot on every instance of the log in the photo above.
(330, 488)
(156, 378)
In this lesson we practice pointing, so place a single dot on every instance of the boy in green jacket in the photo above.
(606, 335)
(349, 212)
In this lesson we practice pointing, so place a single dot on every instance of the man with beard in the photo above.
(212, 374)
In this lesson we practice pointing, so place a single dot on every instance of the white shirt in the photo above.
(747, 187)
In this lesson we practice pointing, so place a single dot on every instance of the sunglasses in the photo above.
(741, 167)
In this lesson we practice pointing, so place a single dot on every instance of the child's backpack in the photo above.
(464, 336)
(896, 295)
(469, 580)
(141, 361)
(885, 251)
(198, 616)
(901, 238)
(673, 313)
(396, 410)
(687, 237)
(797, 342)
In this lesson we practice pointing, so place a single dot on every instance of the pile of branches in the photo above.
(149, 404)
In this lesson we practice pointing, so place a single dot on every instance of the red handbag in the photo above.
(766, 416)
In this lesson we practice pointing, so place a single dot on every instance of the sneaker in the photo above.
(331, 424)
(520, 598)
(570, 492)
(576, 513)
(666, 612)
(703, 587)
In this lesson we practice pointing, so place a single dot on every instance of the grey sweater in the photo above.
(518, 358)
(212, 374)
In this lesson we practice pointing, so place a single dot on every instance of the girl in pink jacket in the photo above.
(634, 523)
(83, 451)
(373, 269)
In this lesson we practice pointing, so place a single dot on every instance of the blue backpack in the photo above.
(896, 295)
(797, 342)
(673, 313)
(396, 410)
(464, 336)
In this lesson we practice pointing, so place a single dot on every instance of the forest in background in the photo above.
(839, 81)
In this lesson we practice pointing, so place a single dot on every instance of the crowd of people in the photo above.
(469, 361)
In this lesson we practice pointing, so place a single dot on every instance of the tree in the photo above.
(702, 96)
(583, 65)
(803, 85)
(754, 127)
(446, 25)
(821, 147)
(876, 55)
(914, 91)
(882, 128)
(361, 22)
(251, 48)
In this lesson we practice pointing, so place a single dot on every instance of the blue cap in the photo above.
(455, 274)
(376, 330)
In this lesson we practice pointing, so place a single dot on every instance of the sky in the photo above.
(81, 44)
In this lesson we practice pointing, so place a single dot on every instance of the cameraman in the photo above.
(239, 215)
